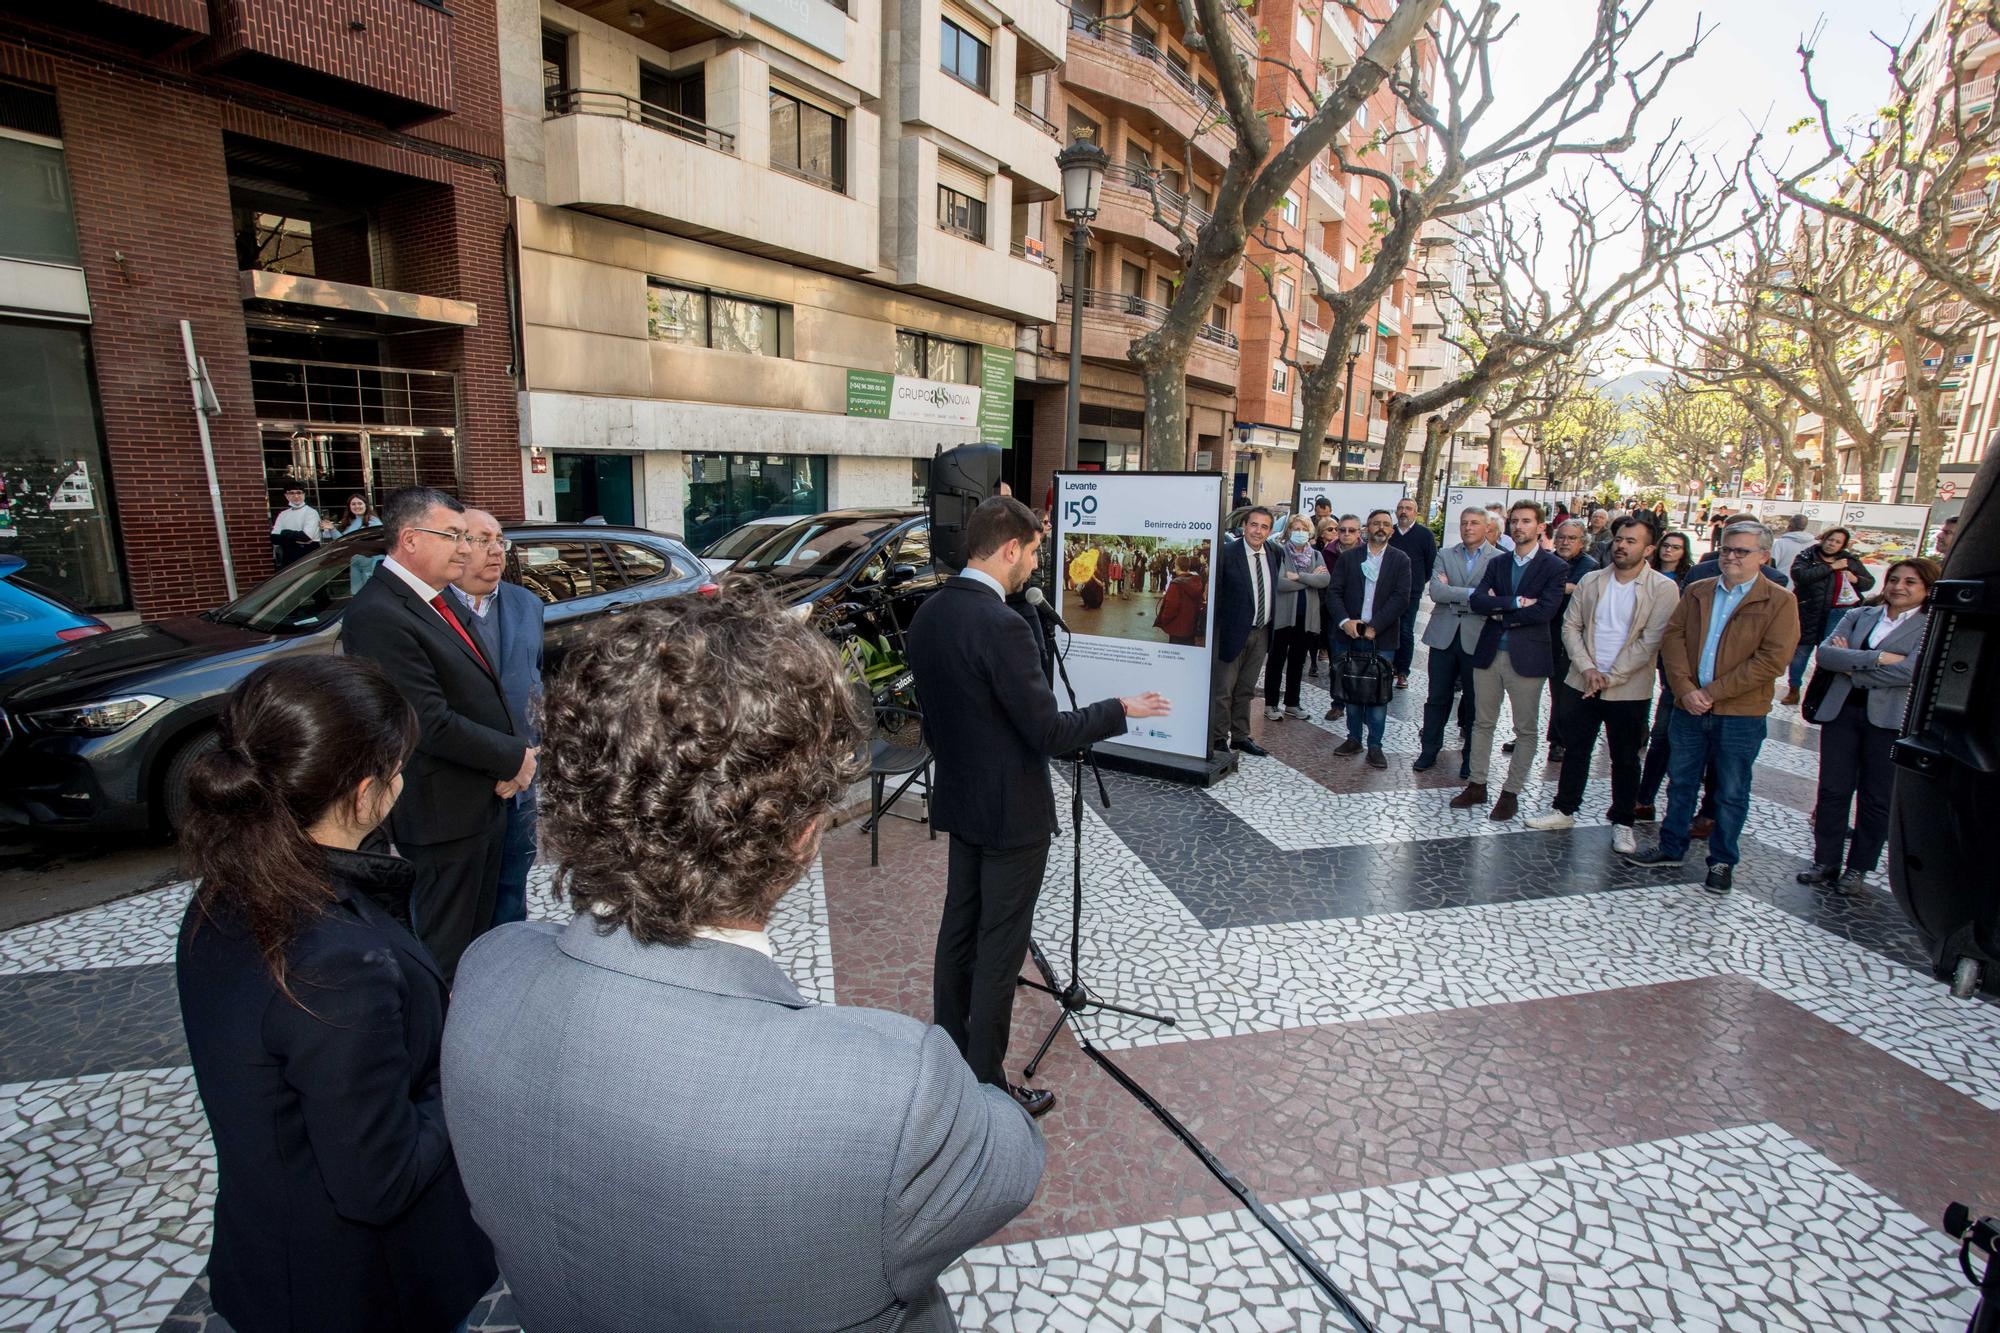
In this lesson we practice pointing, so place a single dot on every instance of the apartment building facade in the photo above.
(318, 195)
(770, 255)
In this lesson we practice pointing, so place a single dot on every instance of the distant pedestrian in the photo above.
(1830, 582)
(1296, 622)
(1870, 659)
(1518, 595)
(314, 1019)
(295, 530)
(1419, 543)
(1613, 629)
(1729, 640)
(1791, 544)
(1370, 587)
(359, 514)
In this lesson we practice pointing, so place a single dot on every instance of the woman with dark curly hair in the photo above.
(313, 1019)
(645, 1107)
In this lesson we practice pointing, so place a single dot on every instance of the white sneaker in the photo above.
(1273, 714)
(1554, 819)
(1296, 712)
(1622, 840)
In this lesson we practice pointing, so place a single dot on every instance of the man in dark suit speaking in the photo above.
(471, 755)
(993, 725)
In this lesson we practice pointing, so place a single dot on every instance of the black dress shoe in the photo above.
(1507, 747)
(1817, 874)
(1348, 746)
(1427, 760)
(1249, 747)
(1720, 879)
(1376, 759)
(1643, 814)
(1555, 754)
(1035, 1101)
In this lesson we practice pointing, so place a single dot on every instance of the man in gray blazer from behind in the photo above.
(1453, 633)
(657, 1131)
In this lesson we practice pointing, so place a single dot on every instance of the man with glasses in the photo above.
(511, 620)
(472, 753)
(1728, 641)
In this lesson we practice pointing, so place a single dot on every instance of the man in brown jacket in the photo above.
(1727, 643)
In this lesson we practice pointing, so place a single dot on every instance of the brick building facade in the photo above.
(318, 189)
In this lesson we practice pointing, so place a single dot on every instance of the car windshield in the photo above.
(817, 548)
(310, 592)
(739, 543)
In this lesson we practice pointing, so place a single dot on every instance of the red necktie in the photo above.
(444, 609)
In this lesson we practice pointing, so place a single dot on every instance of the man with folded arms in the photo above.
(1613, 627)
(655, 1129)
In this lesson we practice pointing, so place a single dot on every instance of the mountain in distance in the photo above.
(1631, 384)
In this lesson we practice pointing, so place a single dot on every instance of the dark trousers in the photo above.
(989, 912)
(1854, 770)
(1406, 647)
(1450, 672)
(1624, 724)
(1235, 682)
(457, 883)
(1659, 757)
(1286, 664)
(510, 899)
(1556, 678)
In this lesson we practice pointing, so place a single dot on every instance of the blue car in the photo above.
(33, 621)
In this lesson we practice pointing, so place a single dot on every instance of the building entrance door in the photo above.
(593, 486)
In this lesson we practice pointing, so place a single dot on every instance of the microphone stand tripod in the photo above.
(1075, 998)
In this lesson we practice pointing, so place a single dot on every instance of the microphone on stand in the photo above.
(1033, 597)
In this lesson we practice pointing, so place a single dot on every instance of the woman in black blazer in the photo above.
(314, 1019)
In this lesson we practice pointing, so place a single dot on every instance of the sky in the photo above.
(1745, 78)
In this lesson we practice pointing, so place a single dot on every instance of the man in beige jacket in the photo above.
(1612, 630)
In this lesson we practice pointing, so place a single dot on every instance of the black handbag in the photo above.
(1815, 695)
(1362, 677)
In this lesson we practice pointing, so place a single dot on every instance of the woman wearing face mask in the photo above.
(1829, 583)
(1870, 659)
(1295, 617)
(314, 1019)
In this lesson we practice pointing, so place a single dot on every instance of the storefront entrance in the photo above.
(725, 491)
(55, 506)
(593, 486)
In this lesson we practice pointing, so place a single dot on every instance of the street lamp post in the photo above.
(1082, 165)
(1354, 346)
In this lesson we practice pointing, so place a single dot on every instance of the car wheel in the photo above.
(174, 790)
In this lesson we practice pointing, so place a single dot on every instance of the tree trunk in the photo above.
(1868, 457)
(1318, 401)
(1434, 433)
(1391, 466)
(1799, 469)
(1930, 448)
(1495, 464)
(1166, 415)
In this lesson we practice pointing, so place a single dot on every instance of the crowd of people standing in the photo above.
(1602, 615)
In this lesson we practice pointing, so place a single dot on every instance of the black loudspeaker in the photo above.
(960, 479)
(1941, 848)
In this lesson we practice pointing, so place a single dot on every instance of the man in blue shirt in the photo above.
(1728, 642)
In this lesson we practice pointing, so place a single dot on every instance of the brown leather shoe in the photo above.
(1700, 829)
(1474, 794)
(1348, 746)
(1504, 808)
(1643, 814)
(1791, 698)
(1035, 1101)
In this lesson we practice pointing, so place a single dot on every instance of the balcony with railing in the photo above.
(1383, 374)
(1429, 356)
(1111, 320)
(1312, 344)
(1388, 318)
(1118, 64)
(1424, 315)
(1321, 264)
(1141, 204)
(617, 155)
(1327, 201)
(1039, 121)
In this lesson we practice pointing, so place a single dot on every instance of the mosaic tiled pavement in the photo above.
(1492, 1077)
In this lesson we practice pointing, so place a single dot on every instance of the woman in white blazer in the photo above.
(1870, 659)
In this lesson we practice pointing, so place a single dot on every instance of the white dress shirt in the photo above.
(304, 519)
(981, 577)
(749, 939)
(1260, 586)
(1887, 625)
(1368, 584)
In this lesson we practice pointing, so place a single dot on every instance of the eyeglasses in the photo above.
(1739, 552)
(501, 544)
(456, 536)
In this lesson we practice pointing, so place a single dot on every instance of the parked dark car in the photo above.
(99, 736)
(34, 620)
(878, 558)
